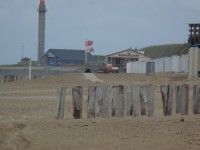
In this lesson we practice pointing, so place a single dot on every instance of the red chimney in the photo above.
(42, 2)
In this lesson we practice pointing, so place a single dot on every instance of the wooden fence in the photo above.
(14, 78)
(120, 101)
(136, 100)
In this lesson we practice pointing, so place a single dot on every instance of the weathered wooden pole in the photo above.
(99, 101)
(5, 79)
(196, 99)
(136, 101)
(185, 100)
(8, 79)
(120, 101)
(167, 99)
(150, 100)
(107, 102)
(99, 96)
(113, 101)
(2, 79)
(77, 99)
(143, 99)
(60, 102)
(15, 78)
(103, 101)
(178, 97)
(91, 102)
(182, 98)
(128, 100)
(12, 78)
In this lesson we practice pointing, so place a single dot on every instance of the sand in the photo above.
(27, 112)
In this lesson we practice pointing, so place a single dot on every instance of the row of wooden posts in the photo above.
(14, 78)
(136, 100)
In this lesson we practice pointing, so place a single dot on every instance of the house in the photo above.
(121, 58)
(66, 57)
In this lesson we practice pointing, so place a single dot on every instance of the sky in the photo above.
(113, 25)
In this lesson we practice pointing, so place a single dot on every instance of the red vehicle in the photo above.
(111, 69)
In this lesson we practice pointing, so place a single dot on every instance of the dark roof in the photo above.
(25, 59)
(68, 54)
(126, 50)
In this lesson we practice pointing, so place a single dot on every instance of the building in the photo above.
(66, 57)
(121, 58)
(41, 29)
(24, 61)
(194, 50)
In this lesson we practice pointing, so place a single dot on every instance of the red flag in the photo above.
(88, 43)
(42, 2)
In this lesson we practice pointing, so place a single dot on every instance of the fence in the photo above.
(14, 78)
(136, 100)
(166, 64)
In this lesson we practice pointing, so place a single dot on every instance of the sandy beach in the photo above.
(28, 108)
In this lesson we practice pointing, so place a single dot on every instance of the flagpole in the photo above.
(88, 44)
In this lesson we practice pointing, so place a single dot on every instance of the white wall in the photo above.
(166, 64)
(136, 67)
(171, 64)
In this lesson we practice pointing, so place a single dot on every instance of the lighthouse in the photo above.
(41, 29)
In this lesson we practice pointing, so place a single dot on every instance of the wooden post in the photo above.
(77, 99)
(107, 102)
(5, 79)
(91, 102)
(185, 100)
(17, 78)
(120, 101)
(143, 99)
(99, 101)
(129, 100)
(99, 95)
(60, 102)
(178, 97)
(150, 100)
(114, 99)
(2, 79)
(12, 78)
(182, 99)
(196, 99)
(136, 101)
(167, 99)
(103, 101)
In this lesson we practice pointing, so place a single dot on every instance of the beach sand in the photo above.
(28, 108)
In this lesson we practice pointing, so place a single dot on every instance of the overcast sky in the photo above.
(113, 25)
